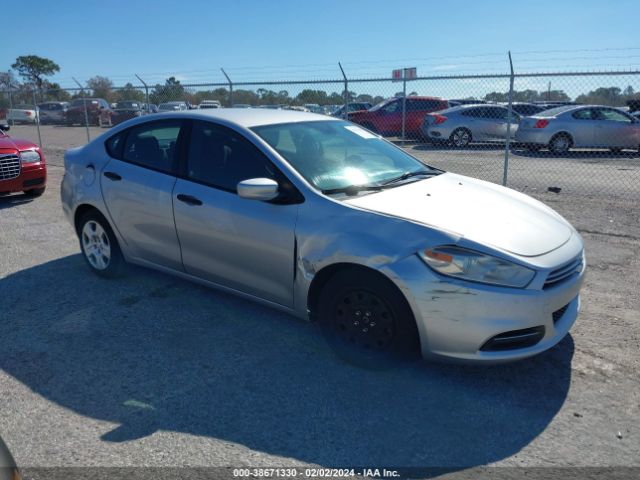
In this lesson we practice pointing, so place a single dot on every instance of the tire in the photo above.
(560, 143)
(460, 137)
(615, 150)
(366, 319)
(34, 192)
(99, 246)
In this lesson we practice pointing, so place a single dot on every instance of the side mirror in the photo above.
(5, 127)
(262, 189)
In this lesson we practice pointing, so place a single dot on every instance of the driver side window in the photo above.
(221, 157)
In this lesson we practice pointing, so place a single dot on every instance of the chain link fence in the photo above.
(534, 131)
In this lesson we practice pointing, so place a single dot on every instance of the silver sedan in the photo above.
(325, 220)
(582, 126)
(464, 124)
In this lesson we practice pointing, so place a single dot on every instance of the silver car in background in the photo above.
(321, 218)
(53, 112)
(580, 126)
(464, 124)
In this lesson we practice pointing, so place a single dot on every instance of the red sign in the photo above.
(404, 74)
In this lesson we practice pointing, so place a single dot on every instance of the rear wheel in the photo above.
(366, 319)
(560, 143)
(460, 137)
(99, 246)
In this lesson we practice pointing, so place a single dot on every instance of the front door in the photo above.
(247, 245)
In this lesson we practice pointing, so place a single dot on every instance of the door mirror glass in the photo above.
(262, 189)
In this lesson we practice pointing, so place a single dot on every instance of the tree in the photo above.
(34, 69)
(129, 92)
(102, 87)
(55, 92)
(171, 90)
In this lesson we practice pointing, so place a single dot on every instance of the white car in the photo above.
(22, 114)
(210, 104)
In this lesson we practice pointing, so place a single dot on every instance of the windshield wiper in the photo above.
(353, 189)
(406, 175)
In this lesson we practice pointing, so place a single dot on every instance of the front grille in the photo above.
(558, 314)
(564, 272)
(9, 166)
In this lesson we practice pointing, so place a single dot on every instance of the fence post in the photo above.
(146, 89)
(230, 87)
(10, 99)
(404, 103)
(345, 93)
(86, 115)
(35, 107)
(509, 114)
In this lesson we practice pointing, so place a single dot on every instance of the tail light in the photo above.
(27, 113)
(541, 123)
(440, 119)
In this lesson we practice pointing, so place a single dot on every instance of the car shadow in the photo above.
(443, 146)
(13, 199)
(151, 352)
(577, 154)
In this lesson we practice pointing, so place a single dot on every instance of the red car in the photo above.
(22, 166)
(386, 117)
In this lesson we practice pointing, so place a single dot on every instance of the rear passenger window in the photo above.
(583, 114)
(153, 145)
(114, 145)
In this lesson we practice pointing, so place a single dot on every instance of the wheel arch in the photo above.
(324, 276)
(82, 210)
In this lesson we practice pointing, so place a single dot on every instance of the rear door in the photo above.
(581, 125)
(137, 186)
(247, 245)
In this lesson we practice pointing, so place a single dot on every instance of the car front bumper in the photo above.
(456, 319)
(32, 176)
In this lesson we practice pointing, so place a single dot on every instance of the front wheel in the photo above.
(99, 246)
(366, 318)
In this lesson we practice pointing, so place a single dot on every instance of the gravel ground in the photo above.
(151, 370)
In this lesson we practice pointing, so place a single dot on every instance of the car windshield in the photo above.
(335, 155)
(381, 104)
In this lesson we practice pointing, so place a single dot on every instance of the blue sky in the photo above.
(264, 40)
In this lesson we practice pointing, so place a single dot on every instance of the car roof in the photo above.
(249, 117)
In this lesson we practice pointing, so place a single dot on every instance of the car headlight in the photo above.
(476, 267)
(30, 156)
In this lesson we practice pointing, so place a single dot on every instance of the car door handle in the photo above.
(113, 176)
(188, 199)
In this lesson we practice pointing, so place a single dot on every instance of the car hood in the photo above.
(12, 144)
(479, 211)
